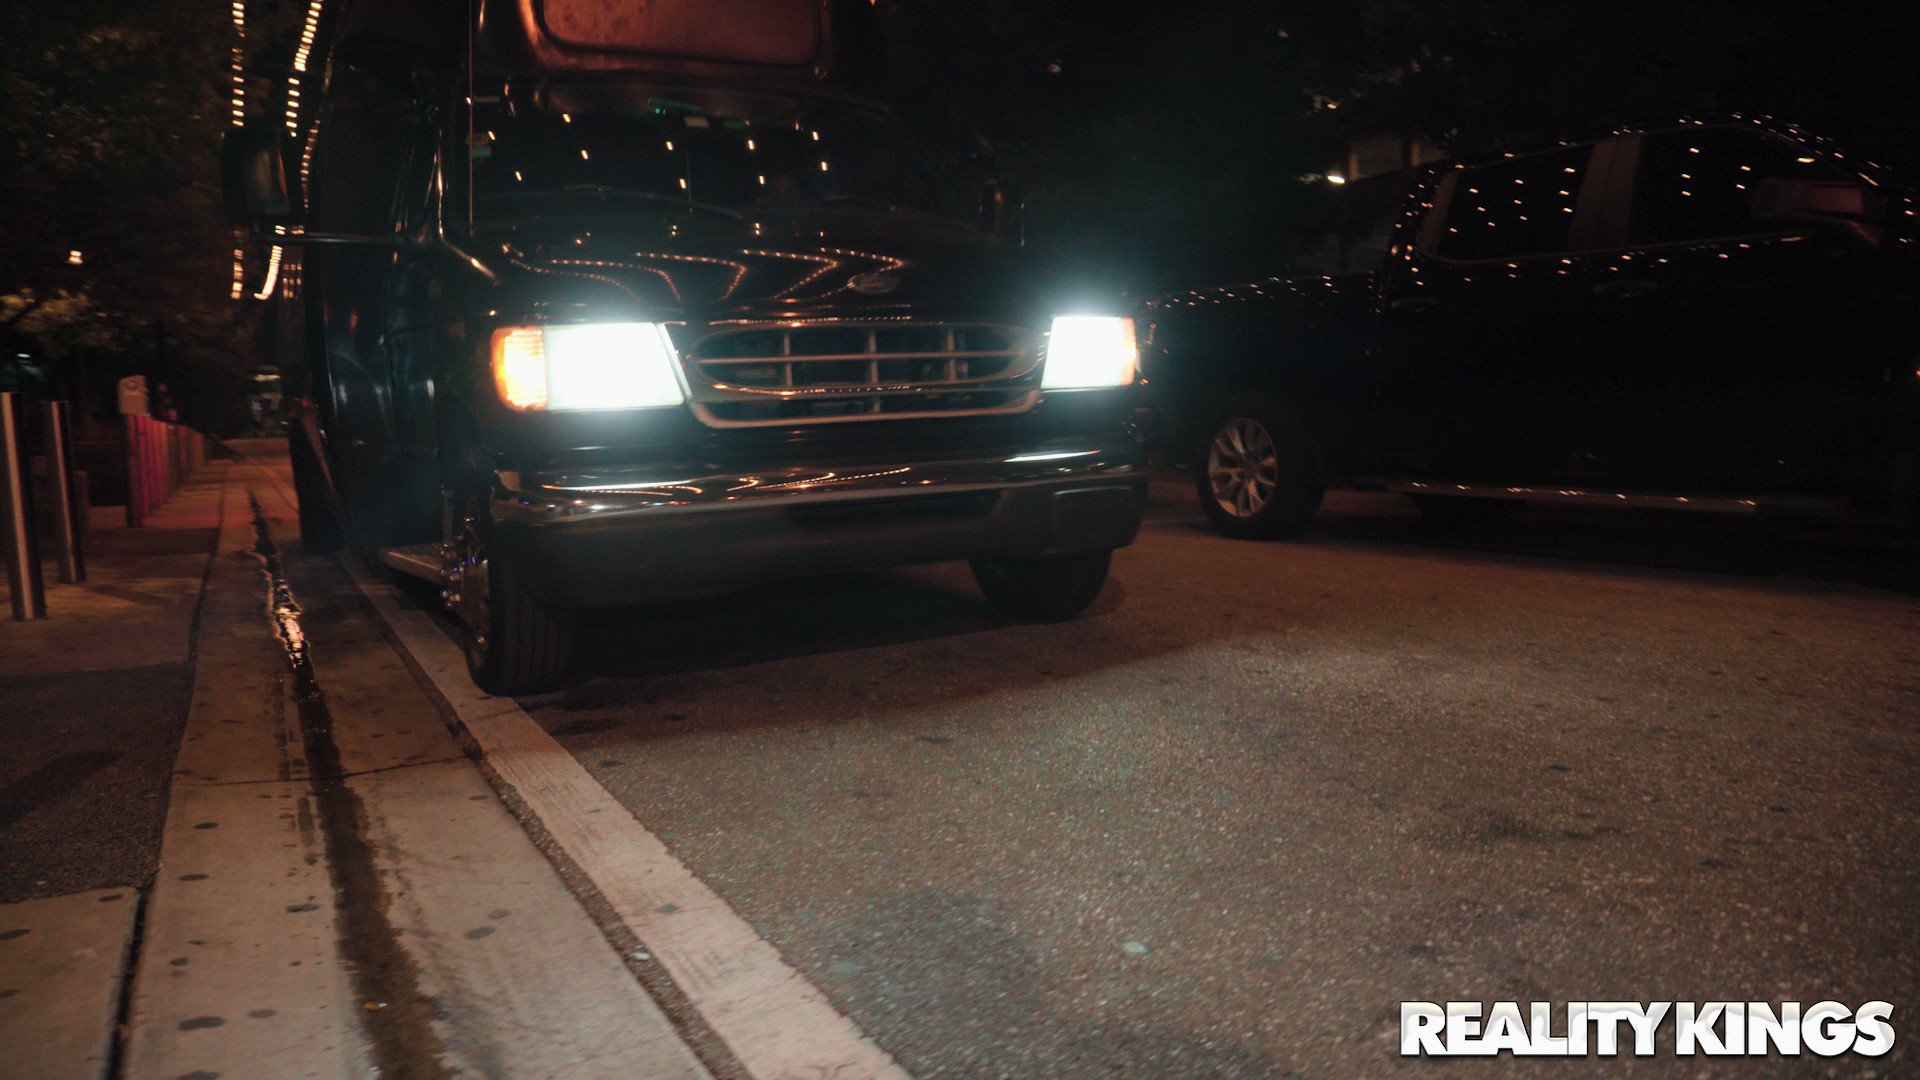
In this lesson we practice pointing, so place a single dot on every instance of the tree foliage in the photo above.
(109, 134)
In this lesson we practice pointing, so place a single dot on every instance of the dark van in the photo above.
(588, 304)
(1719, 316)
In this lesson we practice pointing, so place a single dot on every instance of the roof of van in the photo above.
(779, 40)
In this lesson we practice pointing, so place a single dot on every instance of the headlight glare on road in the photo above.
(1085, 352)
(579, 366)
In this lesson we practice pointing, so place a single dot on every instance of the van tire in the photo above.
(320, 531)
(1046, 589)
(515, 643)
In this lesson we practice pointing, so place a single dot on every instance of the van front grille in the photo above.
(765, 374)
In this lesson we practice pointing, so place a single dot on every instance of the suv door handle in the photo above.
(1625, 289)
(1414, 304)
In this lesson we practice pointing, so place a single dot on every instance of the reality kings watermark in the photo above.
(1609, 1028)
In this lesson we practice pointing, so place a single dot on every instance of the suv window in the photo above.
(1699, 185)
(1520, 206)
(1361, 228)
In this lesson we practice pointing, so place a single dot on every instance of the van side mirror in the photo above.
(1848, 204)
(253, 176)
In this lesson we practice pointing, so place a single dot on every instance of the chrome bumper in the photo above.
(630, 535)
(559, 498)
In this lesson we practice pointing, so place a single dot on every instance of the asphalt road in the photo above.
(1221, 826)
(1264, 792)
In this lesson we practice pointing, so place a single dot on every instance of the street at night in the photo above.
(1263, 790)
(1218, 827)
(962, 539)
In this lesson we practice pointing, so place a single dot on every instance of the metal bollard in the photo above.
(136, 475)
(169, 478)
(150, 493)
(156, 466)
(16, 514)
(156, 472)
(67, 508)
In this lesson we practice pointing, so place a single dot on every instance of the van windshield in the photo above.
(610, 149)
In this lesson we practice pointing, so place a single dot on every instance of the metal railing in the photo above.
(159, 455)
(22, 535)
(69, 507)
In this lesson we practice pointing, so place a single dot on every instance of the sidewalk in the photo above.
(92, 703)
(251, 875)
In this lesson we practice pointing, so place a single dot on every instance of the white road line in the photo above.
(774, 1021)
(523, 982)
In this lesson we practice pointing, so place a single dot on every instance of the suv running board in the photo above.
(417, 560)
(1710, 504)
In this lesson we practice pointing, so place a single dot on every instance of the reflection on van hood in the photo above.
(828, 265)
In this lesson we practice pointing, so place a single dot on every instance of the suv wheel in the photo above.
(1043, 590)
(515, 644)
(1255, 474)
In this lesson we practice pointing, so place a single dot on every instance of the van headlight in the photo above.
(571, 367)
(1089, 351)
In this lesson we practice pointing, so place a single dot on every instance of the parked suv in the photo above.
(1712, 315)
(575, 318)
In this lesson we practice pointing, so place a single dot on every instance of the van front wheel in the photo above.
(319, 530)
(1045, 589)
(515, 643)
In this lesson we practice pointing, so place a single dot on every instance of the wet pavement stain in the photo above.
(397, 1016)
